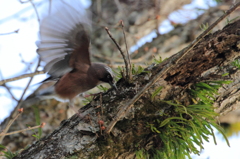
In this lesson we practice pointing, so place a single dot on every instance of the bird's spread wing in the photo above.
(64, 41)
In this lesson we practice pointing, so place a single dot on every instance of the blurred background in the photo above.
(153, 28)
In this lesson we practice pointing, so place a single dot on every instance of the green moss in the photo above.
(173, 130)
(181, 130)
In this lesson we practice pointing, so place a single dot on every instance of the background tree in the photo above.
(171, 91)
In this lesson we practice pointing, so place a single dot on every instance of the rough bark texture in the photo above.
(83, 138)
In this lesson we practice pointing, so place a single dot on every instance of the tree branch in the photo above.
(82, 137)
(13, 32)
(21, 77)
(123, 56)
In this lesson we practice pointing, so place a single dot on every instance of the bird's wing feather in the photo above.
(64, 41)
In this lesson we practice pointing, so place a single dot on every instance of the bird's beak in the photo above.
(113, 85)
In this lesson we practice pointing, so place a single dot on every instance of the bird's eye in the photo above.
(108, 76)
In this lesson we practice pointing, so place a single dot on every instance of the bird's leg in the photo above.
(90, 95)
(71, 104)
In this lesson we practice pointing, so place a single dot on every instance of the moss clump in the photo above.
(182, 129)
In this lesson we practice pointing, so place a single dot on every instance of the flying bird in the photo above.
(64, 47)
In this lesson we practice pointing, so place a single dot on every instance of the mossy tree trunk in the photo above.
(207, 61)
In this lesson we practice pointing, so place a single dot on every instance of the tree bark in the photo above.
(82, 137)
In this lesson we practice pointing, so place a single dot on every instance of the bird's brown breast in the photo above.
(72, 84)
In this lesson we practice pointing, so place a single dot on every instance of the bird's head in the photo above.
(104, 74)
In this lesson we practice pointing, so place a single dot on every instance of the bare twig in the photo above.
(20, 12)
(7, 88)
(21, 77)
(119, 48)
(128, 55)
(35, 9)
(10, 120)
(169, 66)
(20, 101)
(19, 131)
(13, 32)
(28, 64)
(9, 91)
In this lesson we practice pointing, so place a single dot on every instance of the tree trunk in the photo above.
(207, 61)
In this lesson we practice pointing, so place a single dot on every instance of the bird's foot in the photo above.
(90, 95)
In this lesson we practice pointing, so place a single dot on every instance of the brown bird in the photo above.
(64, 47)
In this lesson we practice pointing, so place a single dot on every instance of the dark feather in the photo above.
(64, 41)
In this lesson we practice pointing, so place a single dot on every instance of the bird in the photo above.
(64, 48)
